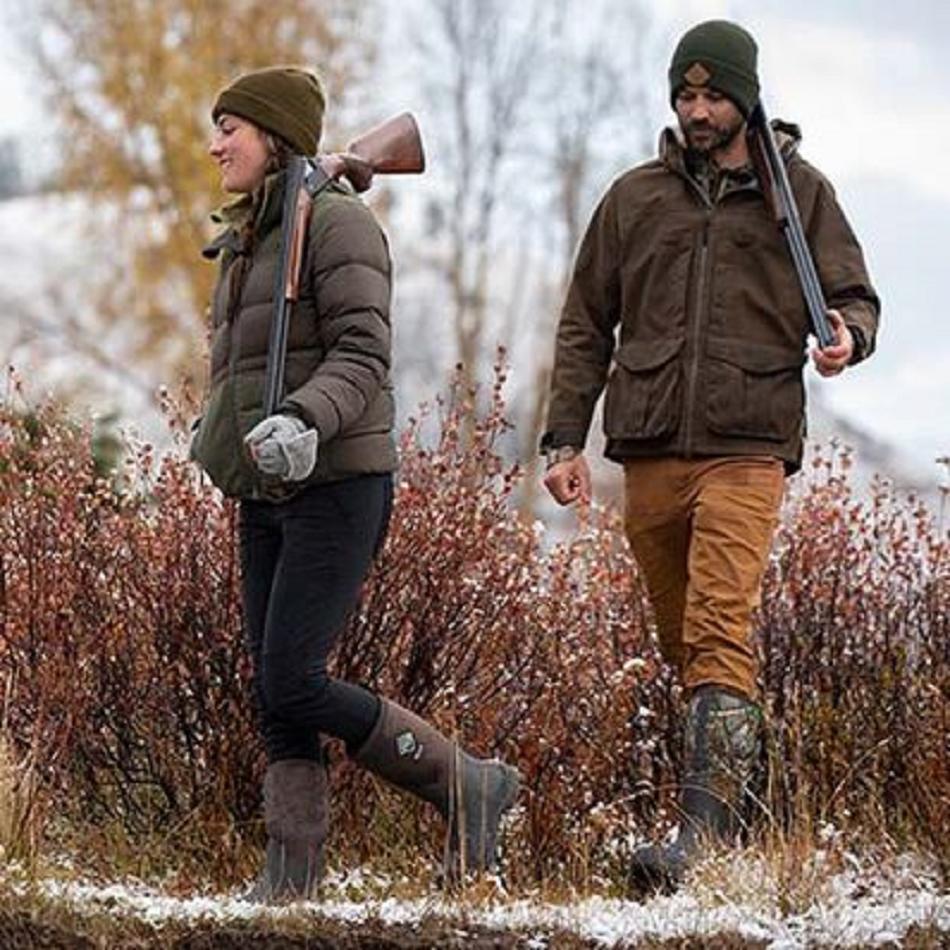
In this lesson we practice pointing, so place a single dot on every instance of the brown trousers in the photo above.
(701, 531)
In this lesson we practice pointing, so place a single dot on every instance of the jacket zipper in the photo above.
(692, 368)
(692, 371)
(700, 307)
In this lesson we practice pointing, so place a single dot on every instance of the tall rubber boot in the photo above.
(471, 794)
(296, 819)
(723, 751)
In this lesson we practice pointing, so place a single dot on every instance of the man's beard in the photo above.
(721, 135)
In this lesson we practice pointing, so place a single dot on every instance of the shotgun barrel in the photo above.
(277, 341)
(778, 191)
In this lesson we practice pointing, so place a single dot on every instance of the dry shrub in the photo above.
(855, 630)
(119, 613)
(119, 625)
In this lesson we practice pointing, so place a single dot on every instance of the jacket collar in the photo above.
(234, 217)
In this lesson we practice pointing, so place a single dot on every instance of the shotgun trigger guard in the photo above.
(315, 179)
(358, 171)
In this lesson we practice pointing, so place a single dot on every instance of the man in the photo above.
(705, 398)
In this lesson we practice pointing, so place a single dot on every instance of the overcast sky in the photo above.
(866, 80)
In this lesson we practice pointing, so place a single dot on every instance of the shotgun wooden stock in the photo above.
(773, 177)
(392, 148)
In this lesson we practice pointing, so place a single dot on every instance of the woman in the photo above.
(315, 486)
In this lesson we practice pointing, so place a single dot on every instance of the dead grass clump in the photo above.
(21, 808)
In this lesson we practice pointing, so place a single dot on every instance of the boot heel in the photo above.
(511, 785)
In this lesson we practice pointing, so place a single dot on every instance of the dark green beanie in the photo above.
(721, 55)
(280, 99)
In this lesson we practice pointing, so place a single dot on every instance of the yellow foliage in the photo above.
(131, 84)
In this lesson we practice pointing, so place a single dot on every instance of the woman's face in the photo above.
(241, 150)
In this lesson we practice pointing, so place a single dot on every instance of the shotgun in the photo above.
(778, 196)
(392, 148)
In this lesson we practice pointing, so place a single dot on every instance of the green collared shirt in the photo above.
(715, 181)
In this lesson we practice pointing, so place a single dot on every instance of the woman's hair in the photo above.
(280, 151)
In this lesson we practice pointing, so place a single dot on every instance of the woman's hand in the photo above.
(283, 447)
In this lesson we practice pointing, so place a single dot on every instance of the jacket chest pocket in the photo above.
(645, 390)
(756, 282)
(753, 390)
(656, 279)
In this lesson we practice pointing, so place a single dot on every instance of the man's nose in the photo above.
(700, 110)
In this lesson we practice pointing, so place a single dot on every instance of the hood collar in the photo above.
(672, 145)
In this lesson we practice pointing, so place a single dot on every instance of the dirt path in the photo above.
(20, 930)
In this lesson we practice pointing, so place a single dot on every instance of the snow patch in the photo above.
(860, 907)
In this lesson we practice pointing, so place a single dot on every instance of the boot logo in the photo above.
(407, 746)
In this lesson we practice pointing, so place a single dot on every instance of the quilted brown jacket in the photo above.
(338, 350)
(687, 307)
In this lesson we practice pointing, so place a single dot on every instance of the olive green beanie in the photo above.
(721, 55)
(281, 99)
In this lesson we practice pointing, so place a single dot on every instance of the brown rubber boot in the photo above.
(295, 815)
(723, 752)
(471, 794)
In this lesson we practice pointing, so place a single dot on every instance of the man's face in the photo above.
(709, 120)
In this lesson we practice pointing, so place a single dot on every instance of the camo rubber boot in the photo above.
(471, 794)
(296, 819)
(723, 745)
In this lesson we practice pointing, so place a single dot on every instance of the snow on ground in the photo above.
(866, 905)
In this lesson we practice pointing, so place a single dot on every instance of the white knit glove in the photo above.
(283, 447)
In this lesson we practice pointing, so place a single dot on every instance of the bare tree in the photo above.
(481, 62)
(599, 79)
(11, 168)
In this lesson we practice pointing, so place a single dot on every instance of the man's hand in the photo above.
(283, 447)
(569, 481)
(833, 359)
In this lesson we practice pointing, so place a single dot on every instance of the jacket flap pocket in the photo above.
(639, 355)
(755, 357)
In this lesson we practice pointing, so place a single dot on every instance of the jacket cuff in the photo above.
(317, 412)
(556, 438)
(860, 344)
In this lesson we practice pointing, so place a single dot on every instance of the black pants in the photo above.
(303, 563)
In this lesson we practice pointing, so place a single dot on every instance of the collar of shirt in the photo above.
(716, 181)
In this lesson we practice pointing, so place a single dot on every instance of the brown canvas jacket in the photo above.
(338, 350)
(688, 308)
